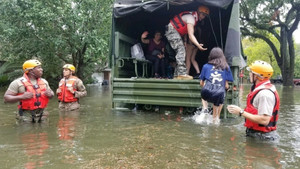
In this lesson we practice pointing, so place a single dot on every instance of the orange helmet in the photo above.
(30, 64)
(70, 67)
(203, 9)
(261, 68)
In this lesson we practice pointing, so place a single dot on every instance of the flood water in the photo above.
(97, 137)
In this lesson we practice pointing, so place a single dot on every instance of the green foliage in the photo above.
(259, 50)
(269, 20)
(297, 61)
(56, 32)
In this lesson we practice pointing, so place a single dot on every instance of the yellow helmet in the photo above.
(261, 68)
(69, 66)
(203, 9)
(30, 64)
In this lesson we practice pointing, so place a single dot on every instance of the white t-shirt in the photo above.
(264, 101)
(189, 18)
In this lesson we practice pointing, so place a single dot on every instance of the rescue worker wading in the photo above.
(32, 91)
(261, 112)
(70, 89)
(183, 24)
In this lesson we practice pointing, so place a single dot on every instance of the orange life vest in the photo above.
(39, 99)
(265, 85)
(180, 25)
(65, 95)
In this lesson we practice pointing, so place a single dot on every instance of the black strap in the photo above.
(172, 20)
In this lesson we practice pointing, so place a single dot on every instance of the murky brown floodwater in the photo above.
(97, 137)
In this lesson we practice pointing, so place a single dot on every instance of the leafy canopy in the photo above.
(56, 32)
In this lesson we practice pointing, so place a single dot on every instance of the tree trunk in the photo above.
(287, 60)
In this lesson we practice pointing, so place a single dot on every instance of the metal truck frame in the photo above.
(131, 78)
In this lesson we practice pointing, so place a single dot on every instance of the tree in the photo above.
(257, 49)
(297, 62)
(279, 18)
(56, 32)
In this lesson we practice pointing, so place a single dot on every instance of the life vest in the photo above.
(65, 95)
(39, 99)
(180, 25)
(265, 85)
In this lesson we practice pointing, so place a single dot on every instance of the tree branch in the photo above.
(268, 41)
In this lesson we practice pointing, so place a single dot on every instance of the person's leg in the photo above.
(204, 104)
(219, 110)
(155, 63)
(162, 67)
(215, 111)
(177, 44)
(189, 52)
(193, 60)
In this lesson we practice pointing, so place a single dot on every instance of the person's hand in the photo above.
(27, 95)
(58, 91)
(71, 90)
(233, 109)
(145, 34)
(48, 93)
(160, 56)
(201, 48)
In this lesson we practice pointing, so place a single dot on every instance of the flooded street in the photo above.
(97, 137)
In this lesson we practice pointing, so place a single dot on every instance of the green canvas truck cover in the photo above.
(232, 49)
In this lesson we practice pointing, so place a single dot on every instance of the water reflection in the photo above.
(97, 137)
(66, 125)
(262, 155)
(35, 143)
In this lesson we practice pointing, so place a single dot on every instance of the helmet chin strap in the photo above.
(32, 74)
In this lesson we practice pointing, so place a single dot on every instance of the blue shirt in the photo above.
(215, 76)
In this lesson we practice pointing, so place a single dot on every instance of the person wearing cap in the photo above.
(70, 89)
(32, 91)
(179, 26)
(261, 112)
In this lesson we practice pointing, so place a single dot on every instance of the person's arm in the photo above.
(226, 85)
(81, 90)
(201, 83)
(260, 119)
(11, 97)
(144, 36)
(49, 93)
(190, 28)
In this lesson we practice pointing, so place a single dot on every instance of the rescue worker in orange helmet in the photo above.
(32, 91)
(261, 112)
(70, 89)
(179, 26)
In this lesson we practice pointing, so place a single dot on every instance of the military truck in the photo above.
(132, 83)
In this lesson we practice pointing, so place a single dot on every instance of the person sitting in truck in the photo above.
(155, 53)
(183, 24)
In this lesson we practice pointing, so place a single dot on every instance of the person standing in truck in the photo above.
(70, 89)
(179, 26)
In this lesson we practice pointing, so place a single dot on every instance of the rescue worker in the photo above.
(32, 91)
(261, 112)
(70, 89)
(181, 25)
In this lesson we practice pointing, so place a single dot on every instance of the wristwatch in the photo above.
(241, 112)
